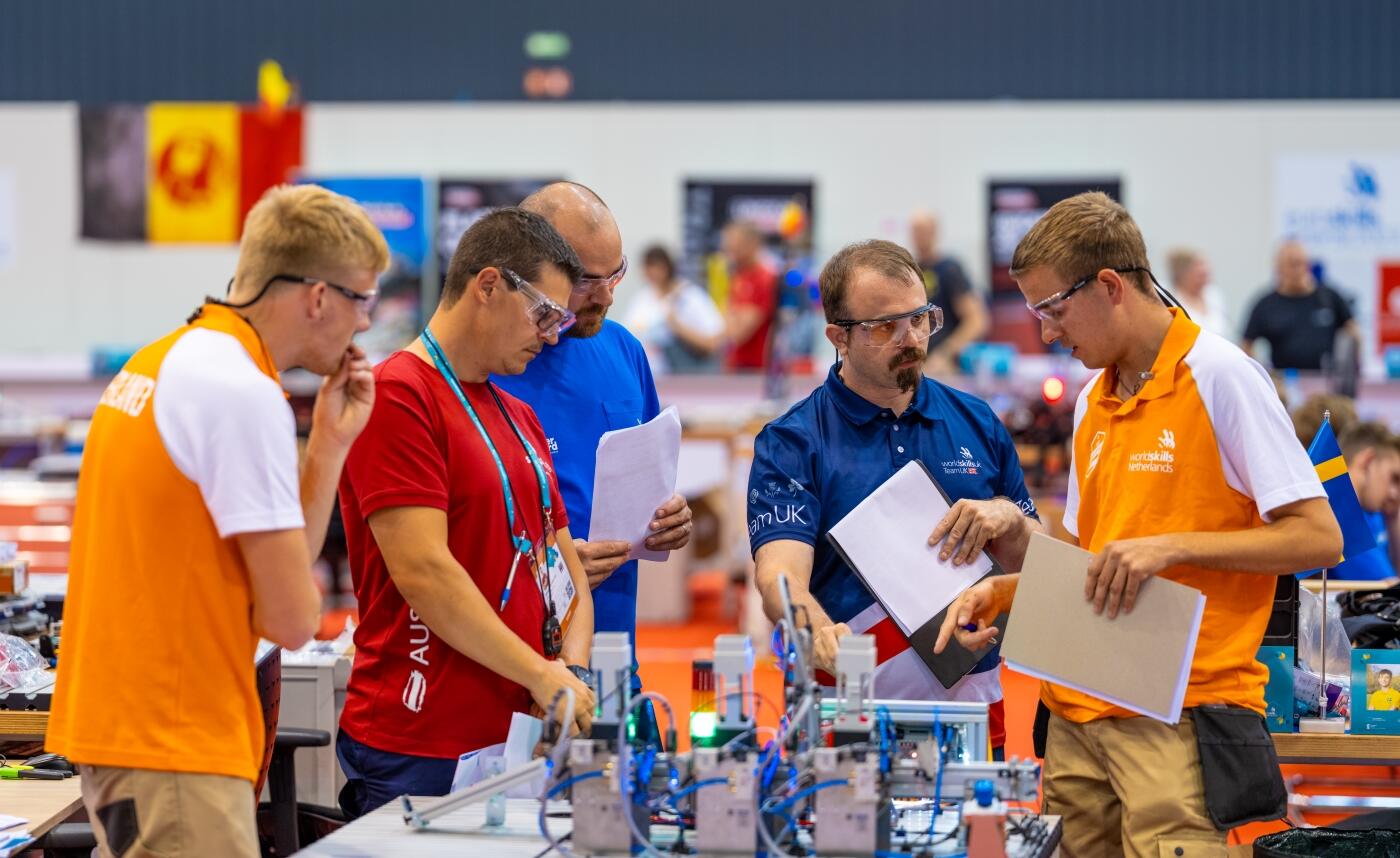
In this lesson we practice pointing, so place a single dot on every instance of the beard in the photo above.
(589, 321)
(908, 378)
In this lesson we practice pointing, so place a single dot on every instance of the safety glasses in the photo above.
(925, 322)
(587, 283)
(548, 316)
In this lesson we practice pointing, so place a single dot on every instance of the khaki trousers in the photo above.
(138, 813)
(1128, 787)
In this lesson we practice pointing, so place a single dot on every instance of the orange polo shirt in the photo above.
(1205, 445)
(192, 443)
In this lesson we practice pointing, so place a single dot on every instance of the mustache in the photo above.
(907, 355)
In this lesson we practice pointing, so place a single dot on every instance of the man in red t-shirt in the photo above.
(452, 638)
(753, 297)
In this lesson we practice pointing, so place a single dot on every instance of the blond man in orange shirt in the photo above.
(194, 534)
(1184, 465)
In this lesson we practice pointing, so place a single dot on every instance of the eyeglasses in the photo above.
(587, 283)
(1053, 309)
(548, 316)
(366, 299)
(925, 321)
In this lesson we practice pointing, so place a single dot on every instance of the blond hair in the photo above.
(1179, 261)
(1081, 235)
(306, 231)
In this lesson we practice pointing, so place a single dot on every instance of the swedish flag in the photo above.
(1326, 456)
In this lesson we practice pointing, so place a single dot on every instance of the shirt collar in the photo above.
(1181, 336)
(859, 411)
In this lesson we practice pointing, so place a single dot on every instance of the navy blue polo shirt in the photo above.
(824, 456)
(581, 388)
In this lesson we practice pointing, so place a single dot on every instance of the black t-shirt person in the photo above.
(1301, 329)
(945, 284)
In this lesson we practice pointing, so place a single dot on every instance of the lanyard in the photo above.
(521, 542)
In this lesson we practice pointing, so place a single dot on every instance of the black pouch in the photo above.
(1239, 766)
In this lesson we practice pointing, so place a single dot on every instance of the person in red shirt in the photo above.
(449, 497)
(753, 297)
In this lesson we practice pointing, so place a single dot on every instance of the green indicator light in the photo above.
(702, 725)
(547, 45)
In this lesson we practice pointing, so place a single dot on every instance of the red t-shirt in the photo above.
(409, 692)
(756, 286)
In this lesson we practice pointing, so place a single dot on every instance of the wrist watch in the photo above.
(584, 674)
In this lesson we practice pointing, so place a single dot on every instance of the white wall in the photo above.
(1196, 174)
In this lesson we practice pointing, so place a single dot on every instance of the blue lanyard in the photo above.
(521, 542)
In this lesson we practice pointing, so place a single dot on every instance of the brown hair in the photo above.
(306, 231)
(1367, 436)
(510, 238)
(1081, 235)
(885, 257)
(1307, 418)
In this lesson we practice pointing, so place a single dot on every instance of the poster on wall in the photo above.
(462, 201)
(709, 205)
(398, 208)
(1345, 209)
(782, 212)
(1013, 206)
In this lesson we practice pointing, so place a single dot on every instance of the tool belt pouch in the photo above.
(1239, 766)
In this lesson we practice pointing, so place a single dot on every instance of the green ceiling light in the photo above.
(547, 45)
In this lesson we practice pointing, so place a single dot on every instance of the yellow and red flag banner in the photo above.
(182, 172)
(194, 172)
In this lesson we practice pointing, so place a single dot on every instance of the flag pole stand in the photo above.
(1323, 724)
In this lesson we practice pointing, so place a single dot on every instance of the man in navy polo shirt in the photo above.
(876, 413)
(595, 379)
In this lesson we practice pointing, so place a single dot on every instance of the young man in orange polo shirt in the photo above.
(1184, 465)
(194, 534)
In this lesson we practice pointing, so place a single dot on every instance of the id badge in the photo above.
(561, 584)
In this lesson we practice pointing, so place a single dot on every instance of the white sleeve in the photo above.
(229, 429)
(1071, 520)
(1259, 451)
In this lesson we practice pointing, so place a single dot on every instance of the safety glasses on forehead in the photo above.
(588, 282)
(1054, 307)
(548, 316)
(925, 321)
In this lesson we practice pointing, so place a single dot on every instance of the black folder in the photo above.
(956, 661)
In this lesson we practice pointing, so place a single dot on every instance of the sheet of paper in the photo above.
(517, 750)
(11, 821)
(886, 539)
(1140, 661)
(636, 474)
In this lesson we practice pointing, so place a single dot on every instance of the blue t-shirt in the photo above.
(581, 388)
(824, 456)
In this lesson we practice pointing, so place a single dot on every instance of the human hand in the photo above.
(971, 614)
(345, 400)
(601, 559)
(824, 645)
(1118, 571)
(671, 526)
(971, 524)
(552, 679)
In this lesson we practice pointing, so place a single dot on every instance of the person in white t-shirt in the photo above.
(677, 321)
(1190, 276)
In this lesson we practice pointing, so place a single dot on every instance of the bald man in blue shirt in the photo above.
(595, 379)
(875, 414)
